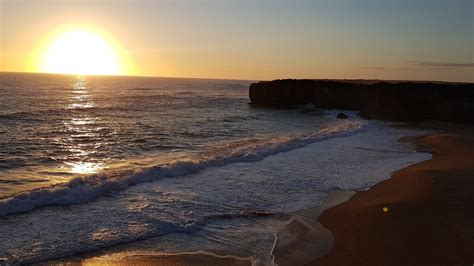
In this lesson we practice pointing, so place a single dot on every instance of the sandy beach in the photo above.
(167, 260)
(427, 221)
(428, 218)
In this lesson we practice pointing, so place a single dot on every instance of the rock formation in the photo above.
(387, 100)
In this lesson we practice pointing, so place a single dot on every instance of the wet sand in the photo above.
(429, 218)
(177, 260)
(197, 259)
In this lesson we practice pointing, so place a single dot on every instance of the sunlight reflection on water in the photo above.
(84, 137)
(85, 167)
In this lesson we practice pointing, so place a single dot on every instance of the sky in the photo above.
(256, 39)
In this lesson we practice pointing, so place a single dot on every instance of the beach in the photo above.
(200, 185)
(428, 220)
(200, 259)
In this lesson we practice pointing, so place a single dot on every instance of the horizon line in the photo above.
(233, 79)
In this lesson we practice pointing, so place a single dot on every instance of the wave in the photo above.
(45, 114)
(160, 228)
(241, 214)
(86, 188)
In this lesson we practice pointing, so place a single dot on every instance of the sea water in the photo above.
(134, 165)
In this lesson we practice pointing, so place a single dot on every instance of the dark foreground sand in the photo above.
(430, 217)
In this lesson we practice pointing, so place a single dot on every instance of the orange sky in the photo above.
(421, 40)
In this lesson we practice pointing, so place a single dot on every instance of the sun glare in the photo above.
(82, 52)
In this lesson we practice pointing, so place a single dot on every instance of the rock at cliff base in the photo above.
(342, 116)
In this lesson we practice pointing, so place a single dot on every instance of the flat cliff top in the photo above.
(369, 81)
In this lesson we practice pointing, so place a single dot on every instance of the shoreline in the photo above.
(295, 244)
(199, 258)
(429, 219)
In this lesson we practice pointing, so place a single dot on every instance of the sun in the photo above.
(81, 52)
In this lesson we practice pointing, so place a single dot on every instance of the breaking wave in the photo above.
(86, 188)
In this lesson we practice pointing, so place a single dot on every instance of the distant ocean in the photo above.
(166, 165)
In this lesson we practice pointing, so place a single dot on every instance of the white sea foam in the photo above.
(217, 209)
(86, 188)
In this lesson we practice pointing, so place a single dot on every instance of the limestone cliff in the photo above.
(404, 101)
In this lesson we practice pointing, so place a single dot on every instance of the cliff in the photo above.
(402, 101)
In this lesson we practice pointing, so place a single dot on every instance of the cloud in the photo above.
(441, 64)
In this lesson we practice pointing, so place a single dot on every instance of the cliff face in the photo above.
(404, 101)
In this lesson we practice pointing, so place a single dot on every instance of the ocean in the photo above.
(138, 165)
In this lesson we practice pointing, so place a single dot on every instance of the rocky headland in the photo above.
(386, 100)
